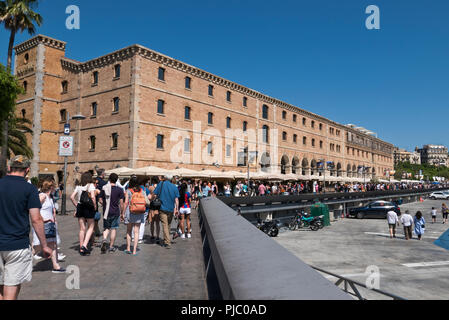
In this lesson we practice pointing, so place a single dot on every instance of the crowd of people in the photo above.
(136, 203)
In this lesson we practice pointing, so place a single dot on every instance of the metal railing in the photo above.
(354, 284)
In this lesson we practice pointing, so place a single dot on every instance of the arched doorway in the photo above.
(284, 164)
(295, 165)
(354, 171)
(265, 162)
(304, 166)
(313, 167)
(348, 171)
(339, 171)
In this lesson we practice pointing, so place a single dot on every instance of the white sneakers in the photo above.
(183, 236)
(189, 235)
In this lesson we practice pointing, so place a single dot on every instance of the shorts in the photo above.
(111, 223)
(153, 207)
(184, 210)
(392, 226)
(445, 215)
(16, 267)
(97, 216)
(134, 218)
(85, 212)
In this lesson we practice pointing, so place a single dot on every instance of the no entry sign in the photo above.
(66, 146)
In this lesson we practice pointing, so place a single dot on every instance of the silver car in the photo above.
(439, 195)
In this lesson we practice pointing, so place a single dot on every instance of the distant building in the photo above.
(402, 155)
(433, 154)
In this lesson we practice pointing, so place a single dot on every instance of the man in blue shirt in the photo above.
(168, 193)
(19, 200)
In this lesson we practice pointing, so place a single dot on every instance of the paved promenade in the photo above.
(155, 274)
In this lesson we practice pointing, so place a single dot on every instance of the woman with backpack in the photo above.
(136, 202)
(83, 198)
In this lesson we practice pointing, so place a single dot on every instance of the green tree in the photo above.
(16, 15)
(9, 90)
(17, 141)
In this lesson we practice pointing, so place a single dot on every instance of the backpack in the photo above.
(137, 204)
(85, 200)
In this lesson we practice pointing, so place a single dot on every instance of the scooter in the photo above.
(302, 220)
(271, 228)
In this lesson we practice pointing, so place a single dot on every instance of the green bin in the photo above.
(320, 209)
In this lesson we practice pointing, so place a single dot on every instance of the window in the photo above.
(211, 90)
(245, 102)
(210, 118)
(312, 124)
(24, 113)
(304, 140)
(337, 132)
(26, 58)
(95, 77)
(187, 113)
(63, 114)
(188, 83)
(187, 145)
(116, 107)
(228, 150)
(209, 148)
(228, 123)
(245, 126)
(265, 111)
(160, 141)
(117, 71)
(65, 86)
(321, 144)
(265, 132)
(228, 96)
(94, 109)
(114, 141)
(295, 138)
(313, 142)
(25, 86)
(294, 118)
(321, 126)
(92, 143)
(304, 121)
(161, 74)
(284, 115)
(284, 135)
(160, 106)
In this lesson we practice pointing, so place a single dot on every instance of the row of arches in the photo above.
(306, 167)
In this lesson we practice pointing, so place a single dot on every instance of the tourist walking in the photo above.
(393, 221)
(99, 184)
(420, 224)
(444, 212)
(19, 201)
(168, 194)
(48, 213)
(153, 216)
(184, 211)
(136, 204)
(407, 222)
(83, 198)
(112, 198)
(433, 213)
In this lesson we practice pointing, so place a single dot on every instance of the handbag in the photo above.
(157, 203)
(85, 200)
(50, 230)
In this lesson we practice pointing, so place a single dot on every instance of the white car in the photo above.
(439, 195)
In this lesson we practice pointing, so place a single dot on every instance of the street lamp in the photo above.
(67, 132)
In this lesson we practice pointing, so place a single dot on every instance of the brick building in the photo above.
(144, 108)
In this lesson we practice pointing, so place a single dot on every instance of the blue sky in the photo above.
(317, 55)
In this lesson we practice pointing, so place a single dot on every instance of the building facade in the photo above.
(402, 155)
(436, 155)
(144, 108)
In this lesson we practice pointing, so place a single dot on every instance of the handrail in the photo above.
(243, 263)
(353, 283)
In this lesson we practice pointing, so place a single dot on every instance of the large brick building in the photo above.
(144, 108)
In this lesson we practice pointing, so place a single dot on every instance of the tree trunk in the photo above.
(4, 155)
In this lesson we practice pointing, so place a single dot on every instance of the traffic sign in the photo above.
(67, 129)
(66, 146)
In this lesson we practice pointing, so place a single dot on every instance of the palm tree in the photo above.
(16, 15)
(17, 142)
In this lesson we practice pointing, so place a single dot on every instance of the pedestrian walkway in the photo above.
(155, 274)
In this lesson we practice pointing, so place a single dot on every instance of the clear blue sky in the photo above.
(317, 55)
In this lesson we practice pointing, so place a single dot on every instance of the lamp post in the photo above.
(67, 132)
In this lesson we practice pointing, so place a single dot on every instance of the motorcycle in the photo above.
(271, 228)
(302, 220)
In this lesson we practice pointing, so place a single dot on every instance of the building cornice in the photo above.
(40, 39)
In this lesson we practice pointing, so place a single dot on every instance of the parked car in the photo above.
(439, 195)
(376, 209)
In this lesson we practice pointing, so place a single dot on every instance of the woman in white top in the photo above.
(48, 214)
(85, 212)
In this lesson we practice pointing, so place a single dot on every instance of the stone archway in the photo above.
(339, 171)
(295, 165)
(313, 167)
(285, 164)
(304, 166)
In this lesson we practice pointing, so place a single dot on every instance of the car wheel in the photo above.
(433, 198)
(360, 215)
